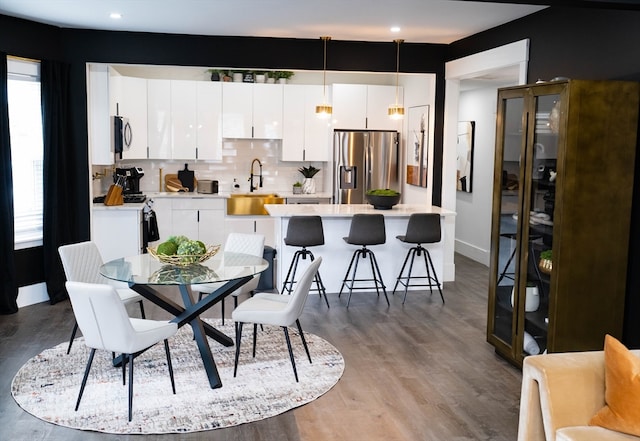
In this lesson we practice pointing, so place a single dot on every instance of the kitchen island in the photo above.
(336, 220)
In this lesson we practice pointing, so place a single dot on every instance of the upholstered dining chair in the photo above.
(252, 244)
(104, 322)
(81, 262)
(278, 310)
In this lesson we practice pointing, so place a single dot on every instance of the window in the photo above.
(25, 130)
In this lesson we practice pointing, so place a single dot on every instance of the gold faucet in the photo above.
(251, 175)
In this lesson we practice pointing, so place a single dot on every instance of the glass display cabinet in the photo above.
(563, 182)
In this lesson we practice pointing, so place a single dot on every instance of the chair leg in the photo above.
(304, 340)
(413, 252)
(293, 361)
(130, 356)
(238, 339)
(346, 276)
(355, 270)
(374, 262)
(73, 336)
(166, 350)
(291, 274)
(255, 338)
(321, 289)
(435, 277)
(124, 368)
(404, 264)
(142, 310)
(222, 310)
(86, 375)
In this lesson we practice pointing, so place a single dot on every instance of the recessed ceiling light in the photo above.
(115, 15)
(395, 28)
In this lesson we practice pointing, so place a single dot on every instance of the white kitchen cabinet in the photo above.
(251, 110)
(98, 114)
(117, 231)
(264, 225)
(199, 218)
(183, 119)
(361, 106)
(162, 207)
(209, 120)
(305, 136)
(129, 100)
(159, 118)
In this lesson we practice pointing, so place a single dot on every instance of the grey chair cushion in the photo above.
(367, 229)
(305, 231)
(423, 228)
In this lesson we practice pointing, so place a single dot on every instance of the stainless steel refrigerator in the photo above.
(363, 160)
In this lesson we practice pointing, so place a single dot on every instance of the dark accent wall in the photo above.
(589, 44)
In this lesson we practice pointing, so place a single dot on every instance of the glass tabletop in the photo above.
(144, 269)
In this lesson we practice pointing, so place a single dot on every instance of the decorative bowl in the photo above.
(184, 259)
(545, 266)
(381, 202)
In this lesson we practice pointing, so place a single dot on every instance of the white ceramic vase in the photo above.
(309, 186)
(532, 299)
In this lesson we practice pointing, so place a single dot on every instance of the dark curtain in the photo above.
(65, 174)
(9, 288)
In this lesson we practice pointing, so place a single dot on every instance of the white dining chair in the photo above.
(81, 262)
(278, 310)
(252, 244)
(104, 322)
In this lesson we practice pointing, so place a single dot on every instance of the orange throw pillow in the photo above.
(622, 390)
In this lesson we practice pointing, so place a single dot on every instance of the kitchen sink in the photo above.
(251, 204)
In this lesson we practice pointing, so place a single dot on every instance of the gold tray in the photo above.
(184, 259)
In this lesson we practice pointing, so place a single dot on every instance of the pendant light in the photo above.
(397, 111)
(324, 110)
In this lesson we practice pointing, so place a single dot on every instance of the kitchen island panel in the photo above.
(337, 253)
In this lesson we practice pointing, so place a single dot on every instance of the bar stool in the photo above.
(366, 229)
(304, 231)
(423, 228)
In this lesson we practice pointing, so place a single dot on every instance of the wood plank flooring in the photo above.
(419, 371)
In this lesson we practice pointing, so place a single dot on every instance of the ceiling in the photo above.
(420, 21)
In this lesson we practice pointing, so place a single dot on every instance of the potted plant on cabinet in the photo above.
(545, 262)
(297, 187)
(283, 75)
(309, 185)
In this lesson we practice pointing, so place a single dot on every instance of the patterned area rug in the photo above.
(47, 385)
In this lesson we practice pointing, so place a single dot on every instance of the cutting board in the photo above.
(186, 177)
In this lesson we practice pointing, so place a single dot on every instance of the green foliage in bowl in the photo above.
(382, 192)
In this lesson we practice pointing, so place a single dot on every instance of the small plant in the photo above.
(382, 192)
(308, 172)
(546, 255)
(286, 74)
(297, 184)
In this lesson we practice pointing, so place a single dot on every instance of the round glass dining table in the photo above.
(227, 270)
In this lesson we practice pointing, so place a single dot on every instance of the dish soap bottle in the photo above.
(236, 186)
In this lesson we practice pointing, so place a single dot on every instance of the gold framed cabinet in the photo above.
(563, 182)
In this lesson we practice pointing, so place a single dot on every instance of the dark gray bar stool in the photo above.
(423, 228)
(304, 231)
(366, 229)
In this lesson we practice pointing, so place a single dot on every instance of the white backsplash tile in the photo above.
(237, 155)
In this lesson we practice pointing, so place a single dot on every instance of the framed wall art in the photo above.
(417, 146)
(464, 152)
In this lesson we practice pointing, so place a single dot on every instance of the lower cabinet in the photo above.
(197, 218)
(264, 225)
(117, 232)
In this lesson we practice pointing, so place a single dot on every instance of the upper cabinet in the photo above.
(184, 119)
(360, 106)
(128, 98)
(563, 190)
(252, 110)
(305, 136)
(98, 116)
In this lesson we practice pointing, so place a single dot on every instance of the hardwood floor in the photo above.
(419, 371)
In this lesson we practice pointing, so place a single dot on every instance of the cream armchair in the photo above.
(560, 394)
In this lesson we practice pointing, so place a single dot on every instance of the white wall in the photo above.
(473, 220)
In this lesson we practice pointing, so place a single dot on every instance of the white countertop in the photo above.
(344, 210)
(225, 195)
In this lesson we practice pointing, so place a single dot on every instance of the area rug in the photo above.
(47, 385)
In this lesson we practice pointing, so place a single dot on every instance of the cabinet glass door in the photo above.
(506, 213)
(540, 205)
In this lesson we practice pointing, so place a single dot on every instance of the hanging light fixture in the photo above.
(397, 111)
(324, 110)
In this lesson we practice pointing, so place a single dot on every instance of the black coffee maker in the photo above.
(132, 179)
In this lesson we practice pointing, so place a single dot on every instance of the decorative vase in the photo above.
(282, 80)
(297, 189)
(237, 77)
(309, 186)
(532, 299)
(271, 80)
(260, 78)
